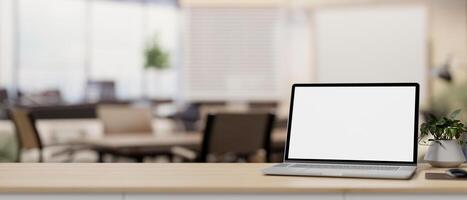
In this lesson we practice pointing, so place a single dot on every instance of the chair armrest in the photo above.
(184, 153)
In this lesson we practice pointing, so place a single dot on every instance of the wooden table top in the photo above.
(194, 178)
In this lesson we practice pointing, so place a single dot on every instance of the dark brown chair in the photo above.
(4, 103)
(3, 96)
(232, 137)
(29, 138)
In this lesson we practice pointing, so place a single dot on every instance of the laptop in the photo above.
(364, 130)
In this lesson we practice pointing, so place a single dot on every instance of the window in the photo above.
(117, 45)
(51, 46)
(6, 42)
(163, 24)
(231, 54)
(64, 43)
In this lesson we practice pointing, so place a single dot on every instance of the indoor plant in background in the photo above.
(447, 137)
(156, 60)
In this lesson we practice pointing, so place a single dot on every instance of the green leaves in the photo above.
(444, 128)
(155, 56)
(454, 114)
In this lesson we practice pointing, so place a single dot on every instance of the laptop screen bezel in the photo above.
(339, 161)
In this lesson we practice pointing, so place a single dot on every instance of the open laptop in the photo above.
(366, 130)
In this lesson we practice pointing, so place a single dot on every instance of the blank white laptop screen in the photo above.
(353, 123)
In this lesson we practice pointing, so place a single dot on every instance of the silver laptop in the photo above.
(365, 130)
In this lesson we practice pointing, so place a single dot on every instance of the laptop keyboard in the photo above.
(355, 167)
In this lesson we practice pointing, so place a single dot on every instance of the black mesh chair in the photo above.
(232, 137)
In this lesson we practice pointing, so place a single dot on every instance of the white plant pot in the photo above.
(159, 83)
(445, 153)
(464, 146)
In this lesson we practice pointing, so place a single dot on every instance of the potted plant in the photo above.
(447, 137)
(156, 60)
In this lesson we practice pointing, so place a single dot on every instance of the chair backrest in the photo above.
(236, 133)
(125, 119)
(28, 136)
(3, 96)
(100, 91)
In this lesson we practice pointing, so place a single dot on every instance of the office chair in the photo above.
(125, 119)
(230, 137)
(29, 138)
(100, 91)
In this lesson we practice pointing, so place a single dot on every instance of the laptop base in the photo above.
(341, 170)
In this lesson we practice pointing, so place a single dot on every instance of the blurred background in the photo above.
(136, 80)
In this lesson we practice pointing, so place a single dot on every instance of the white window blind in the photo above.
(230, 53)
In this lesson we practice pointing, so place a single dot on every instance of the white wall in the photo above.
(371, 43)
(449, 30)
(296, 53)
(447, 35)
(448, 23)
